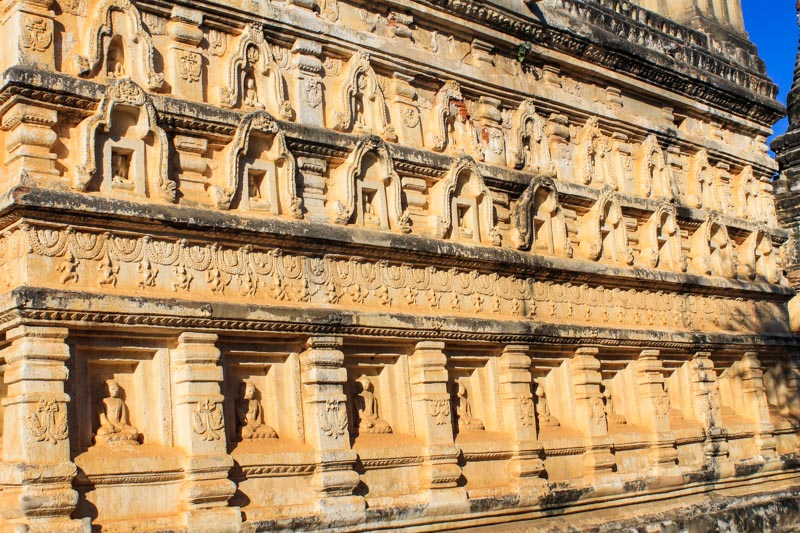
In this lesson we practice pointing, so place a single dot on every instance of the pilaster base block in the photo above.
(219, 520)
(40, 493)
(446, 502)
(598, 461)
(342, 510)
(207, 493)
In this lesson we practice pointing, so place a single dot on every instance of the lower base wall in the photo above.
(725, 510)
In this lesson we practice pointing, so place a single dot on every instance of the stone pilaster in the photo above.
(312, 171)
(308, 88)
(590, 414)
(706, 410)
(29, 139)
(516, 400)
(36, 472)
(186, 62)
(27, 34)
(434, 427)
(756, 407)
(326, 428)
(652, 411)
(200, 432)
(406, 110)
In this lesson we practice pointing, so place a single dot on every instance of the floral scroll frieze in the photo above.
(179, 267)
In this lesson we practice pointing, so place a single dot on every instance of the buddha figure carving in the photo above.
(120, 167)
(250, 416)
(463, 408)
(367, 408)
(115, 428)
(251, 94)
(611, 416)
(546, 419)
(116, 62)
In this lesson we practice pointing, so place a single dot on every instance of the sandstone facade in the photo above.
(337, 264)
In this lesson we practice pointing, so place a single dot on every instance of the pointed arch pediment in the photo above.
(367, 188)
(591, 155)
(661, 240)
(284, 187)
(138, 41)
(530, 143)
(437, 137)
(463, 206)
(759, 258)
(602, 234)
(126, 96)
(362, 102)
(538, 207)
(252, 51)
(701, 182)
(654, 176)
(712, 249)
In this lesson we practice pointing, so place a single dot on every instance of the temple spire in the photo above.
(793, 99)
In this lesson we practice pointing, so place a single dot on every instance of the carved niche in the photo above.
(260, 170)
(603, 235)
(367, 191)
(530, 143)
(252, 78)
(464, 206)
(701, 182)
(118, 46)
(591, 155)
(746, 192)
(759, 258)
(451, 125)
(655, 179)
(123, 138)
(362, 106)
(660, 239)
(538, 220)
(712, 249)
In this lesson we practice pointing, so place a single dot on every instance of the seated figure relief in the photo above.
(114, 426)
(367, 408)
(546, 419)
(466, 422)
(250, 416)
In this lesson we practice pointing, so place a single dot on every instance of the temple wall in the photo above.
(316, 264)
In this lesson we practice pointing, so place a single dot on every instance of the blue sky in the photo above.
(772, 25)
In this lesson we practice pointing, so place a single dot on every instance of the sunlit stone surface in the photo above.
(346, 265)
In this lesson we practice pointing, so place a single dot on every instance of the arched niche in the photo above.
(451, 128)
(530, 142)
(260, 170)
(602, 234)
(252, 78)
(700, 185)
(538, 220)
(759, 258)
(362, 106)
(124, 141)
(463, 205)
(655, 179)
(117, 45)
(660, 239)
(746, 194)
(591, 160)
(366, 190)
(712, 249)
